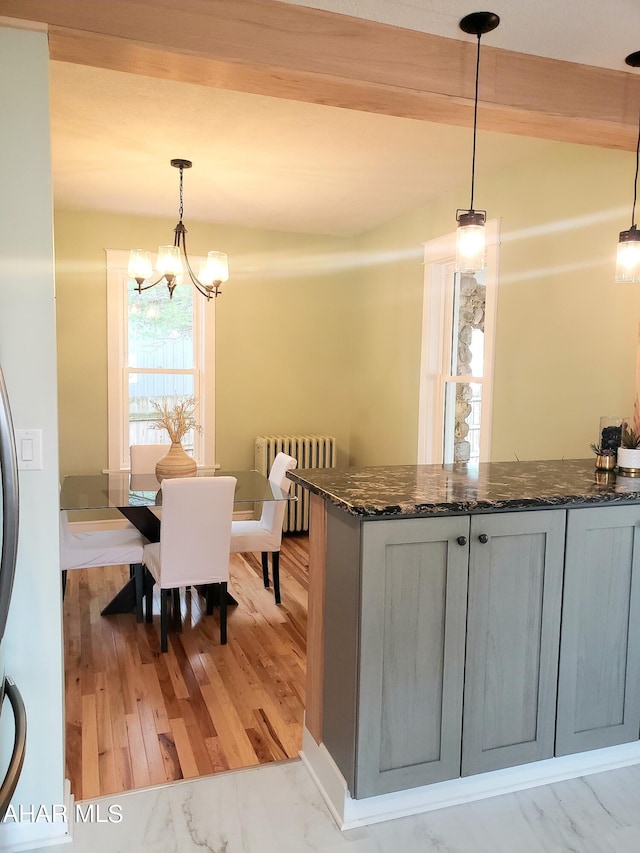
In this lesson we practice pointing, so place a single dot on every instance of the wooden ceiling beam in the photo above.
(270, 48)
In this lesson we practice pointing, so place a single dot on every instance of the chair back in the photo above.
(142, 461)
(272, 517)
(196, 530)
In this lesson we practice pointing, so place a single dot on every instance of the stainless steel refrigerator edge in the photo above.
(9, 506)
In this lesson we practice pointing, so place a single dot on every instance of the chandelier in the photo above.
(470, 238)
(171, 262)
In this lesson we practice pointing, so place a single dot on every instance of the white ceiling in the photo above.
(270, 163)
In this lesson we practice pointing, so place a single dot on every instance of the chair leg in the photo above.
(64, 582)
(209, 596)
(164, 618)
(177, 611)
(223, 613)
(148, 584)
(275, 565)
(138, 575)
(265, 569)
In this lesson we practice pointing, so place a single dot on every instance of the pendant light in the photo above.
(628, 256)
(470, 239)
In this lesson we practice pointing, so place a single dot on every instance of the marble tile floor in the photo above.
(277, 809)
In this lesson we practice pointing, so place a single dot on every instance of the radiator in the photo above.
(311, 451)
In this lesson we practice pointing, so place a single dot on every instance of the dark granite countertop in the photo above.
(423, 490)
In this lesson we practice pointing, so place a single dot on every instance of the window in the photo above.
(457, 355)
(157, 347)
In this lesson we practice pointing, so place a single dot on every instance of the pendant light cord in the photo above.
(635, 183)
(475, 122)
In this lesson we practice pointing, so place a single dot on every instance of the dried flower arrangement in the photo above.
(177, 418)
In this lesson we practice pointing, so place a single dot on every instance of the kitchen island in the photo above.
(472, 629)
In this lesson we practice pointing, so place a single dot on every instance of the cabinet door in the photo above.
(414, 592)
(599, 681)
(515, 589)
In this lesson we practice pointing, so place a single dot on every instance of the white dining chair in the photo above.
(142, 463)
(143, 458)
(93, 548)
(194, 546)
(265, 534)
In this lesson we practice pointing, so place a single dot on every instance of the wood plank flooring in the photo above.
(136, 717)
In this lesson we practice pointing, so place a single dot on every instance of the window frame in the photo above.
(118, 369)
(437, 342)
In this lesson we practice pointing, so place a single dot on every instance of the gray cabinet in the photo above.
(416, 618)
(413, 611)
(513, 625)
(452, 647)
(599, 678)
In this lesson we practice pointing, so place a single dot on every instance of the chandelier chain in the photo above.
(181, 208)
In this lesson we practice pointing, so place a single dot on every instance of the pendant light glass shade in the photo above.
(470, 242)
(628, 257)
(470, 236)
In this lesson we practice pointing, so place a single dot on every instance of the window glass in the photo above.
(160, 330)
(160, 338)
(467, 350)
(147, 387)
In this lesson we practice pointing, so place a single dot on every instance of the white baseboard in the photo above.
(349, 813)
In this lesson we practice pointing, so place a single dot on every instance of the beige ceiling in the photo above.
(270, 163)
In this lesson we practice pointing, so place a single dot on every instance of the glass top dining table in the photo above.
(136, 495)
(123, 490)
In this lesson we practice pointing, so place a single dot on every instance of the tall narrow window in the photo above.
(159, 348)
(457, 355)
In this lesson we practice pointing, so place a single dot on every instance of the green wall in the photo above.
(283, 334)
(31, 649)
(320, 334)
(566, 335)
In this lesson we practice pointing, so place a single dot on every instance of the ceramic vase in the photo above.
(177, 463)
(629, 461)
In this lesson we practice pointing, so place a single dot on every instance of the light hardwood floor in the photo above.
(136, 717)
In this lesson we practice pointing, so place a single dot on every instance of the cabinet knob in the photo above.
(462, 540)
(483, 538)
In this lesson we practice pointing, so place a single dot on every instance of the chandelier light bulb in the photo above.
(214, 268)
(139, 265)
(169, 262)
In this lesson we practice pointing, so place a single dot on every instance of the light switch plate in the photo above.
(29, 449)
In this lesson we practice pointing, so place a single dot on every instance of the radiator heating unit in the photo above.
(311, 451)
